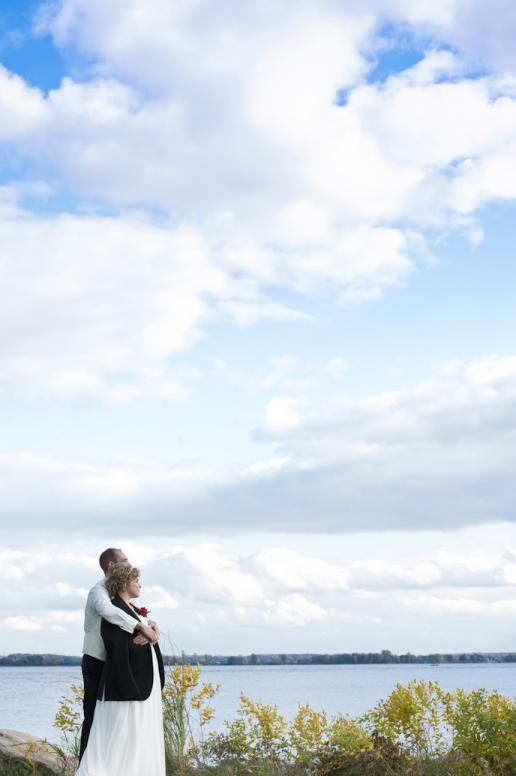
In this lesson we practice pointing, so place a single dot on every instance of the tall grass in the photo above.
(16, 768)
(186, 714)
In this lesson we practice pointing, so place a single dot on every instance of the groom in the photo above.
(98, 606)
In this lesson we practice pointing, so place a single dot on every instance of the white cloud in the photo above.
(10, 567)
(64, 589)
(22, 108)
(20, 622)
(289, 570)
(482, 32)
(281, 414)
(436, 455)
(293, 610)
(287, 374)
(160, 598)
(382, 574)
(204, 573)
(483, 371)
(440, 446)
(105, 305)
(326, 187)
(509, 573)
(273, 186)
(461, 606)
(337, 366)
(246, 313)
(320, 167)
(51, 619)
(203, 590)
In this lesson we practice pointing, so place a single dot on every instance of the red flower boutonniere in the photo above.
(144, 611)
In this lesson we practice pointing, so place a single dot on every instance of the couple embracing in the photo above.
(122, 667)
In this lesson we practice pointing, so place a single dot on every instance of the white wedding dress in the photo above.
(126, 737)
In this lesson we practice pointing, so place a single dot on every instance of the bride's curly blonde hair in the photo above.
(119, 577)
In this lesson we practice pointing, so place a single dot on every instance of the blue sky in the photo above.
(258, 321)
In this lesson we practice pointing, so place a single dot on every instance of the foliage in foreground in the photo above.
(15, 768)
(418, 730)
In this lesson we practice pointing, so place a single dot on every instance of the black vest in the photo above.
(127, 674)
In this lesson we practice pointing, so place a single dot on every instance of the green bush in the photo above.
(484, 731)
(461, 733)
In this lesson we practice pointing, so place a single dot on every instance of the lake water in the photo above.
(29, 696)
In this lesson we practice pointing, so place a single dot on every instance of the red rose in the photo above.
(144, 611)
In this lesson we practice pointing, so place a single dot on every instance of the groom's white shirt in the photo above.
(98, 605)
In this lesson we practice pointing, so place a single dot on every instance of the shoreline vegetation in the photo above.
(347, 658)
(419, 729)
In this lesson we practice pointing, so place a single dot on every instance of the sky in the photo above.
(257, 321)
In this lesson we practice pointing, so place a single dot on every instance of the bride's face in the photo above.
(134, 587)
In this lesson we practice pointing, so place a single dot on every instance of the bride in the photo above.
(127, 732)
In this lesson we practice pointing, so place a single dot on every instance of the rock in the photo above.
(37, 752)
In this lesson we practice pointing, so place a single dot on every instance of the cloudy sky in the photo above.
(257, 320)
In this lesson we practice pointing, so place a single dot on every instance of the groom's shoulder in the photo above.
(99, 586)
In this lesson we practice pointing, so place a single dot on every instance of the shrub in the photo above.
(461, 733)
(68, 720)
(413, 717)
(484, 731)
(259, 731)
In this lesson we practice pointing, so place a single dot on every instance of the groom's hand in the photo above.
(144, 632)
(140, 640)
(154, 626)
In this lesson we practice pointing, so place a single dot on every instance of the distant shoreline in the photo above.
(21, 659)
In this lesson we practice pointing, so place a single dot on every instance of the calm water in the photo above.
(29, 696)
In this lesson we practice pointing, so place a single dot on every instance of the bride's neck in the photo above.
(125, 597)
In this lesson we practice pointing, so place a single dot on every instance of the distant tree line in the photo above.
(26, 659)
(370, 658)
(255, 659)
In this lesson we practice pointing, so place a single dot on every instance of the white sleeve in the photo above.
(100, 602)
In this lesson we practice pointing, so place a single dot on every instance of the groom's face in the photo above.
(121, 557)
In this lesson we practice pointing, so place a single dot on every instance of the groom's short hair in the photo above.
(108, 556)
